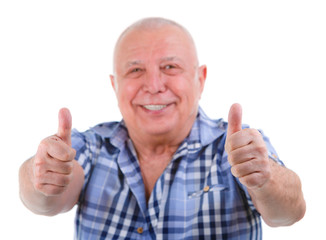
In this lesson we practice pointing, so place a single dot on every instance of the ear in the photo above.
(202, 74)
(113, 83)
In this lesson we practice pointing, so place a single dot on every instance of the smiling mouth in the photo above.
(154, 107)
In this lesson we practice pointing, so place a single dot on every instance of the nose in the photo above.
(154, 82)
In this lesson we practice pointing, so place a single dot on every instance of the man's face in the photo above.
(157, 80)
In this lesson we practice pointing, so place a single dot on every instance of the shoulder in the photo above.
(209, 129)
(102, 131)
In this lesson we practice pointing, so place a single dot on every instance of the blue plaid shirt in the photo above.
(196, 197)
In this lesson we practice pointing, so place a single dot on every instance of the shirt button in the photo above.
(140, 230)
(206, 189)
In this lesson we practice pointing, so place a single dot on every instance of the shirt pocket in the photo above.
(206, 190)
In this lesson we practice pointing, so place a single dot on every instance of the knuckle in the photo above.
(266, 169)
(265, 163)
(39, 177)
(267, 174)
(253, 180)
(254, 132)
(66, 155)
(231, 159)
(44, 144)
(261, 148)
(67, 168)
(51, 190)
(56, 191)
(73, 153)
(63, 180)
(39, 160)
(227, 147)
(38, 186)
(38, 171)
(39, 166)
(235, 171)
(257, 180)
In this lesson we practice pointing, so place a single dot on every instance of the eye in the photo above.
(171, 69)
(167, 67)
(135, 72)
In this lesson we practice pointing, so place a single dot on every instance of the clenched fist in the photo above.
(247, 152)
(53, 162)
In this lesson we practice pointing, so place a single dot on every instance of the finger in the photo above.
(242, 154)
(65, 123)
(235, 119)
(49, 164)
(58, 149)
(243, 138)
(255, 180)
(58, 166)
(56, 179)
(49, 189)
(249, 167)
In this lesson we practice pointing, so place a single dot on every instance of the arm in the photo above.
(280, 200)
(275, 190)
(51, 181)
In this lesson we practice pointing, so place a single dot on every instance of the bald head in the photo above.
(152, 24)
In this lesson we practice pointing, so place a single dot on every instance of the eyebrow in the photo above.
(170, 58)
(135, 62)
(138, 62)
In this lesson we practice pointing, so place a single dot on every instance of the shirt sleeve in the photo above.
(85, 146)
(272, 154)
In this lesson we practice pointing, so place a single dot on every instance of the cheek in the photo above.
(186, 89)
(127, 91)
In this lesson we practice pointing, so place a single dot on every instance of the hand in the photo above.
(247, 152)
(53, 162)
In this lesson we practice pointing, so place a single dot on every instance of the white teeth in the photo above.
(154, 107)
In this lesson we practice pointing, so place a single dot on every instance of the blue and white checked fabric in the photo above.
(195, 198)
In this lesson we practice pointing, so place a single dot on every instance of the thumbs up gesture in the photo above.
(247, 152)
(53, 162)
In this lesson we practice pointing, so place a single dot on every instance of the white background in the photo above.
(268, 56)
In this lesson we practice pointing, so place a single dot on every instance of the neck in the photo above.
(158, 146)
(157, 152)
(153, 148)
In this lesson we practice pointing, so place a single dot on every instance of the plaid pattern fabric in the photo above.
(195, 198)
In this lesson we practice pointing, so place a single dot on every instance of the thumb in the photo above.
(65, 123)
(235, 119)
